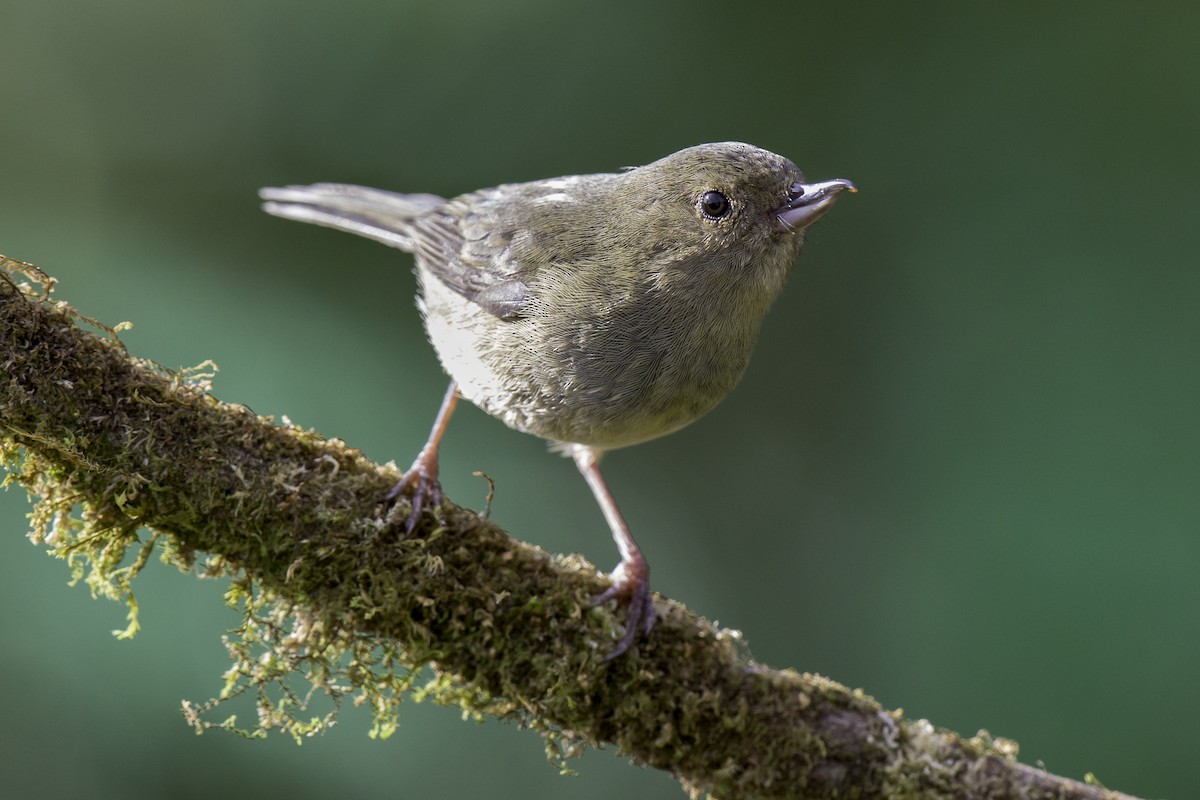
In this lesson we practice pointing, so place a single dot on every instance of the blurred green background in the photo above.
(962, 471)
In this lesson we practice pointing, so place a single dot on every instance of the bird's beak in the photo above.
(808, 201)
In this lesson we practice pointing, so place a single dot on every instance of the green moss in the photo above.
(124, 458)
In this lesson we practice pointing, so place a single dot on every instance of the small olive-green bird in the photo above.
(594, 311)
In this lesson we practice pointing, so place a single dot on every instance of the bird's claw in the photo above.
(422, 479)
(631, 586)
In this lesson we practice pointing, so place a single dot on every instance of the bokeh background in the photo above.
(962, 471)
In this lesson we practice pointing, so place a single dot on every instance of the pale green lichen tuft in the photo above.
(284, 655)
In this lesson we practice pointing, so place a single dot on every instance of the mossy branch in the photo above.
(112, 445)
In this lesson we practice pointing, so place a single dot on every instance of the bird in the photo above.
(594, 311)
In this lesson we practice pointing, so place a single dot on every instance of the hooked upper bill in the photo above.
(808, 201)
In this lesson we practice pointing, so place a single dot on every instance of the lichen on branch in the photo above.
(123, 457)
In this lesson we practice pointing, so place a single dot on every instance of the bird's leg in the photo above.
(631, 578)
(422, 476)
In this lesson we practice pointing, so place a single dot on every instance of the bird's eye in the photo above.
(714, 205)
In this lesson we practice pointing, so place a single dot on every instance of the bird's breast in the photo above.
(615, 375)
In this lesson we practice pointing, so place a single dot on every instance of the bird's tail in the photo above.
(383, 216)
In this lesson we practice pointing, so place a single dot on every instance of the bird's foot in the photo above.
(422, 480)
(631, 587)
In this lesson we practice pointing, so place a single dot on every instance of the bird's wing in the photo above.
(476, 263)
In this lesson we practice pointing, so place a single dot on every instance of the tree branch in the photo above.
(507, 627)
